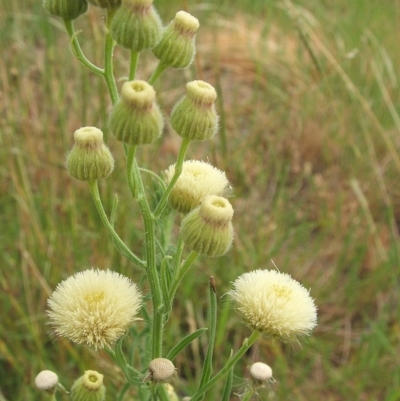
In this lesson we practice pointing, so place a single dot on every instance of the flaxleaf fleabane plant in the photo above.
(100, 308)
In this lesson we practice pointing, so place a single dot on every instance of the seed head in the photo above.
(46, 380)
(161, 370)
(260, 372)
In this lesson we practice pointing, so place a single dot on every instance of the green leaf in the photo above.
(184, 343)
(119, 355)
(228, 386)
(212, 317)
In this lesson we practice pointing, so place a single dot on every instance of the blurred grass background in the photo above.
(309, 103)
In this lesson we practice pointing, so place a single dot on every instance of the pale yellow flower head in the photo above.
(197, 180)
(275, 304)
(94, 307)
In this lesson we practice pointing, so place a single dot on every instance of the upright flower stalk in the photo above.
(99, 307)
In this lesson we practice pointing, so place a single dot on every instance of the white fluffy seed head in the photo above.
(197, 180)
(46, 380)
(94, 307)
(275, 304)
(260, 372)
(161, 370)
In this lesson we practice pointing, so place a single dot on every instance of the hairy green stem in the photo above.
(133, 65)
(108, 60)
(94, 189)
(136, 185)
(230, 363)
(178, 169)
(248, 394)
(161, 67)
(77, 51)
(180, 274)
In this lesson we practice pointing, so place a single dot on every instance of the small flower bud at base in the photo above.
(177, 46)
(136, 25)
(89, 159)
(161, 370)
(89, 387)
(194, 116)
(208, 228)
(66, 9)
(260, 372)
(47, 380)
(136, 119)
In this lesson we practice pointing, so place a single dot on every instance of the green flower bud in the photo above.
(194, 116)
(177, 46)
(89, 387)
(208, 228)
(136, 25)
(66, 9)
(89, 159)
(136, 119)
(108, 4)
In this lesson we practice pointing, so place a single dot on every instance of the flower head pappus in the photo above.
(275, 304)
(94, 307)
(197, 180)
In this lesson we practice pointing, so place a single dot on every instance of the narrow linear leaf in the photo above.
(172, 354)
(114, 210)
(228, 386)
(119, 355)
(207, 367)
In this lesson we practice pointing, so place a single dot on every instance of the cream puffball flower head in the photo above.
(274, 304)
(197, 180)
(94, 307)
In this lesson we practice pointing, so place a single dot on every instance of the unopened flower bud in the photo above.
(208, 228)
(136, 119)
(194, 116)
(177, 46)
(161, 370)
(260, 372)
(89, 159)
(136, 25)
(89, 387)
(46, 380)
(197, 180)
(108, 4)
(66, 9)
